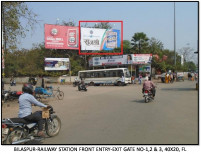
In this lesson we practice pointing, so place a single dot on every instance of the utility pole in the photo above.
(174, 38)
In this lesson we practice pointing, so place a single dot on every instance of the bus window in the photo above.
(113, 73)
(120, 73)
(82, 75)
(96, 75)
(88, 75)
(92, 75)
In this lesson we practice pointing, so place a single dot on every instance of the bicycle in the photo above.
(43, 93)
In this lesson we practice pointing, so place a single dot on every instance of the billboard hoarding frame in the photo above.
(79, 46)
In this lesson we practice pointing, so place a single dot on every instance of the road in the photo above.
(119, 115)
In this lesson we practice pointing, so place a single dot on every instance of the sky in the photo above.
(155, 19)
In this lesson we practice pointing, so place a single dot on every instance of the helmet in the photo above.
(27, 88)
(149, 78)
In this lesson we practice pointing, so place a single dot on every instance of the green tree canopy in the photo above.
(12, 14)
(140, 42)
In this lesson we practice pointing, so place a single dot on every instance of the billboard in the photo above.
(56, 64)
(121, 60)
(141, 58)
(99, 39)
(61, 37)
(145, 68)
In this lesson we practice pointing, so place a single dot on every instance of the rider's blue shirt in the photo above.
(25, 104)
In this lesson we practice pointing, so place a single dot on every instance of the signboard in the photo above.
(145, 68)
(121, 60)
(109, 60)
(141, 58)
(61, 37)
(56, 64)
(99, 39)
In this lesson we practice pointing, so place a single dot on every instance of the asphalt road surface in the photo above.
(119, 115)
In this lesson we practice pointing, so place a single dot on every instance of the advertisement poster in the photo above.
(141, 58)
(109, 60)
(99, 39)
(145, 68)
(121, 60)
(56, 64)
(61, 37)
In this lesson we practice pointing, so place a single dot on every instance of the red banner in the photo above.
(61, 37)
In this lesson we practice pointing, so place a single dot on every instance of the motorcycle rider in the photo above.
(82, 83)
(25, 107)
(149, 85)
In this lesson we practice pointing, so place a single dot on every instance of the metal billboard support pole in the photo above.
(69, 67)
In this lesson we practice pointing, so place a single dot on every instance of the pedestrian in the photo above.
(196, 76)
(192, 76)
(133, 79)
(43, 82)
(146, 77)
(123, 80)
(140, 78)
(171, 78)
(174, 76)
(166, 78)
(189, 76)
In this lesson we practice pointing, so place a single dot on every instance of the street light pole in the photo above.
(174, 38)
(69, 67)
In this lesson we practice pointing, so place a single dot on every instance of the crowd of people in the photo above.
(170, 78)
(192, 76)
(140, 78)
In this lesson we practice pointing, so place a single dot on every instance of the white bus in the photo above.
(105, 76)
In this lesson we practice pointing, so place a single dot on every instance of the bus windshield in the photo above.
(127, 73)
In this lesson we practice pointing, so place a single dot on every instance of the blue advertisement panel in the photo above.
(112, 39)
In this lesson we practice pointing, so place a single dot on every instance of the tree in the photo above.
(139, 42)
(155, 46)
(126, 46)
(103, 25)
(187, 52)
(70, 23)
(190, 66)
(12, 13)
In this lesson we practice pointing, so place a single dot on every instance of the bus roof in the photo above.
(109, 69)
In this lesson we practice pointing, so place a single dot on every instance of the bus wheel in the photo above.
(119, 83)
(91, 84)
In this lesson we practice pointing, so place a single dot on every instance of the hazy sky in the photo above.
(155, 19)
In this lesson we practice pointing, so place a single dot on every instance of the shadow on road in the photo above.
(138, 101)
(179, 89)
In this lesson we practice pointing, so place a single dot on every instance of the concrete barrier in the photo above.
(47, 79)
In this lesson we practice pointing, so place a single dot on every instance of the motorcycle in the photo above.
(148, 96)
(10, 95)
(76, 83)
(12, 83)
(20, 131)
(32, 81)
(82, 87)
